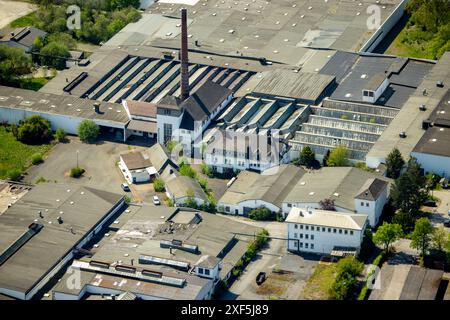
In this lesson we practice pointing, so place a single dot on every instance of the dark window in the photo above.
(351, 232)
(207, 272)
(334, 230)
(312, 237)
(340, 231)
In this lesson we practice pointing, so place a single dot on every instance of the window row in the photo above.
(323, 229)
(304, 245)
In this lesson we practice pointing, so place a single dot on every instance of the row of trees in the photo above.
(423, 238)
(97, 25)
(37, 130)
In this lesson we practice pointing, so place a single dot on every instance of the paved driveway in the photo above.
(440, 214)
(99, 161)
(274, 256)
(11, 10)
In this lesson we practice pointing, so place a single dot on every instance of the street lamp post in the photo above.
(77, 157)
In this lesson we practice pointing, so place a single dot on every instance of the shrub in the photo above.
(14, 174)
(260, 214)
(338, 157)
(348, 269)
(76, 172)
(60, 135)
(88, 131)
(34, 130)
(187, 170)
(127, 199)
(207, 170)
(158, 185)
(204, 184)
(36, 159)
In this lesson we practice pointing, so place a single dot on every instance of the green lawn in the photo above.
(29, 83)
(25, 21)
(318, 284)
(16, 155)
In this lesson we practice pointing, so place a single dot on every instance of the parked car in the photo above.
(260, 278)
(447, 224)
(125, 187)
(430, 203)
(156, 200)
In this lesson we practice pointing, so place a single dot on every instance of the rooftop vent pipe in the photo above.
(184, 56)
(97, 107)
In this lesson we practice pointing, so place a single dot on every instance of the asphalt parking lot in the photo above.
(287, 273)
(440, 214)
(99, 160)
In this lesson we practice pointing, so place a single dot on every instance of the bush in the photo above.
(158, 185)
(260, 214)
(204, 184)
(348, 269)
(36, 159)
(338, 157)
(207, 170)
(76, 172)
(188, 171)
(60, 135)
(14, 174)
(34, 130)
(88, 131)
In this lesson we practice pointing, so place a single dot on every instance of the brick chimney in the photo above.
(184, 56)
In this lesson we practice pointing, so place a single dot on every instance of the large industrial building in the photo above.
(155, 253)
(41, 233)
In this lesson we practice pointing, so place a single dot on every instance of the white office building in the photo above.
(321, 232)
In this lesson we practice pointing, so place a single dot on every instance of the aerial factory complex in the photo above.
(233, 141)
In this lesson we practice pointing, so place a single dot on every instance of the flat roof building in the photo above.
(39, 233)
(160, 253)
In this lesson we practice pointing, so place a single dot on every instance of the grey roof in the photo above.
(140, 232)
(372, 189)
(332, 24)
(341, 184)
(135, 160)
(407, 282)
(207, 261)
(272, 186)
(435, 141)
(160, 157)
(369, 71)
(170, 102)
(24, 35)
(441, 114)
(410, 118)
(143, 126)
(308, 87)
(180, 186)
(15, 98)
(81, 208)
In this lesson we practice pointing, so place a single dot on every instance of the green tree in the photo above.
(158, 185)
(440, 238)
(88, 131)
(347, 271)
(188, 171)
(121, 4)
(63, 39)
(60, 135)
(338, 157)
(54, 55)
(387, 234)
(34, 130)
(394, 164)
(260, 214)
(307, 157)
(409, 191)
(422, 236)
(13, 62)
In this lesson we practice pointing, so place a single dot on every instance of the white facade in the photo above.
(439, 165)
(322, 238)
(66, 122)
(134, 176)
(244, 207)
(173, 121)
(373, 209)
(371, 96)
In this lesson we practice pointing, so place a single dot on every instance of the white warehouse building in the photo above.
(322, 232)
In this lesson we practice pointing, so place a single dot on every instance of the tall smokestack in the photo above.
(184, 56)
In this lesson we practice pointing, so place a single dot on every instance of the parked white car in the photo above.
(156, 201)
